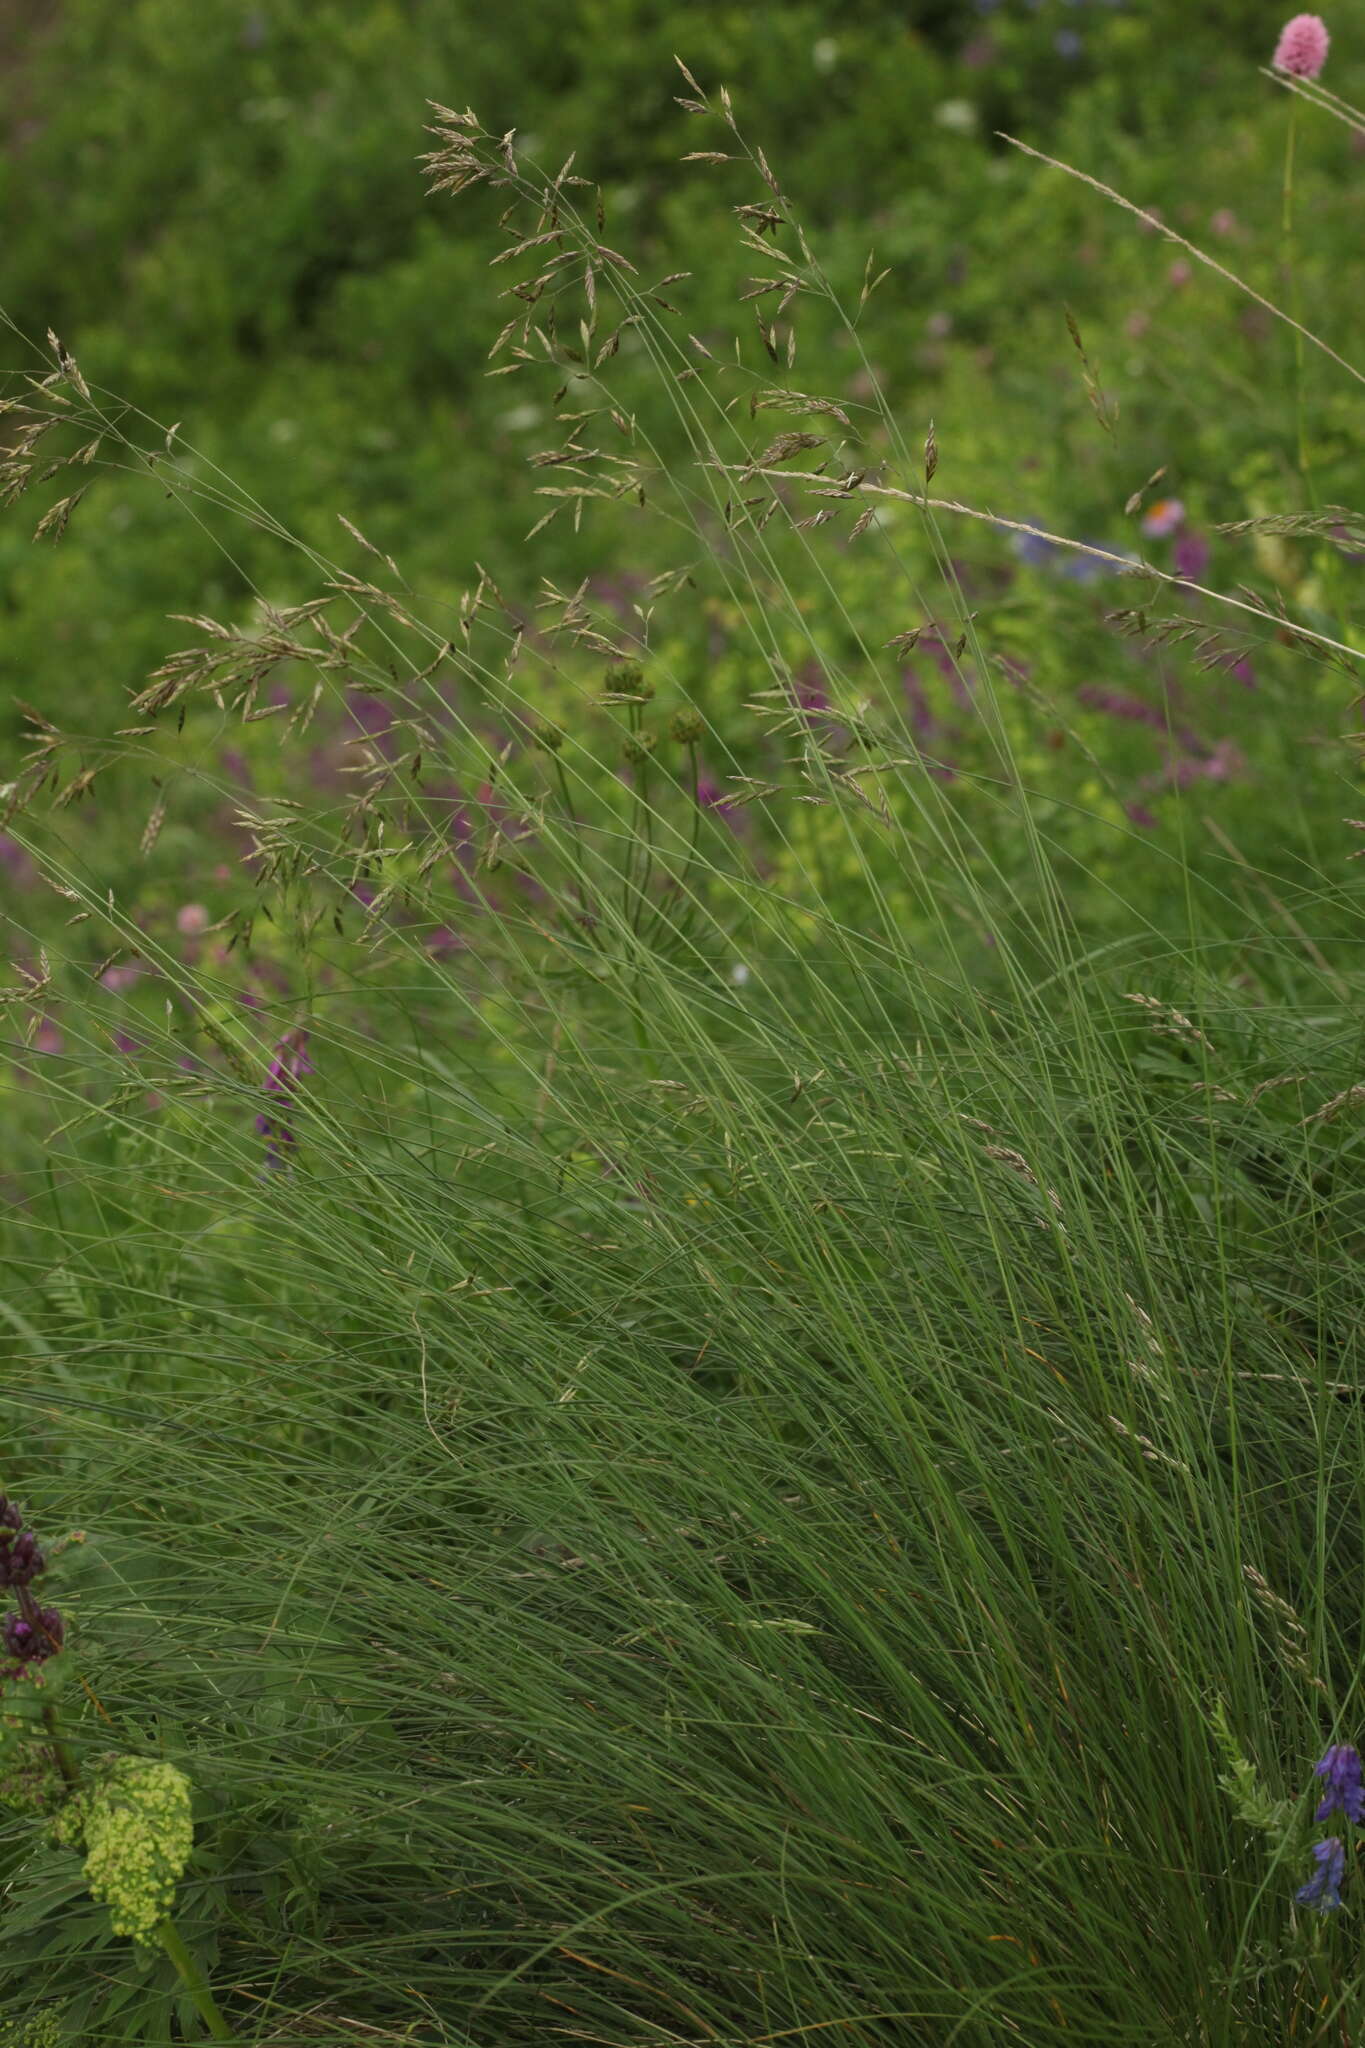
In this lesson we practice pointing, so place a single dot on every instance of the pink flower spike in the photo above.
(1302, 48)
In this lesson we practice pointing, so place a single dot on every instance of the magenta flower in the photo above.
(1302, 48)
(290, 1065)
(1190, 556)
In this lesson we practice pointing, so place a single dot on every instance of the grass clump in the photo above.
(708, 1321)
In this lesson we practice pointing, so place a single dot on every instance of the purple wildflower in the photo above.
(712, 796)
(1303, 45)
(31, 1637)
(1190, 556)
(290, 1065)
(1034, 548)
(372, 717)
(121, 977)
(922, 719)
(15, 861)
(1121, 704)
(1167, 516)
(21, 1561)
(1220, 763)
(1323, 1888)
(1340, 1772)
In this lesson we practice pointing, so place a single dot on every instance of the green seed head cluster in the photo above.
(135, 1828)
(30, 1781)
(639, 746)
(43, 2029)
(686, 727)
(627, 680)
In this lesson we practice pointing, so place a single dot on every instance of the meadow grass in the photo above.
(766, 1444)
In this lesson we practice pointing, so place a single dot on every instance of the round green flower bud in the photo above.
(549, 737)
(627, 679)
(41, 2029)
(639, 746)
(686, 727)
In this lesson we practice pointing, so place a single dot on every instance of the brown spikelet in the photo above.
(1291, 1637)
(1349, 1098)
(1136, 499)
(55, 520)
(151, 831)
(1170, 1022)
(68, 366)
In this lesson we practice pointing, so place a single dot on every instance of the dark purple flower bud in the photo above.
(290, 1064)
(21, 1561)
(32, 1637)
(11, 1515)
(1340, 1772)
(1323, 1888)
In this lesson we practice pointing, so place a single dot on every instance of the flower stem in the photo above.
(194, 1981)
(66, 1763)
(1287, 227)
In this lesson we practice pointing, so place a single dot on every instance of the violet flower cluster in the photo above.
(289, 1066)
(1344, 1792)
(31, 1633)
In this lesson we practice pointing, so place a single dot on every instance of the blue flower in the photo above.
(1340, 1769)
(1034, 548)
(1323, 1888)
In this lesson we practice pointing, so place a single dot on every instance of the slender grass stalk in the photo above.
(1295, 298)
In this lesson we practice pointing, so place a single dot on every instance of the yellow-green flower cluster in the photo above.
(30, 1781)
(39, 2030)
(135, 1828)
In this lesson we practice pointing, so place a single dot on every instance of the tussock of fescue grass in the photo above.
(746, 1474)
(778, 1573)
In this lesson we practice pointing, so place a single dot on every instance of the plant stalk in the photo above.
(194, 1981)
